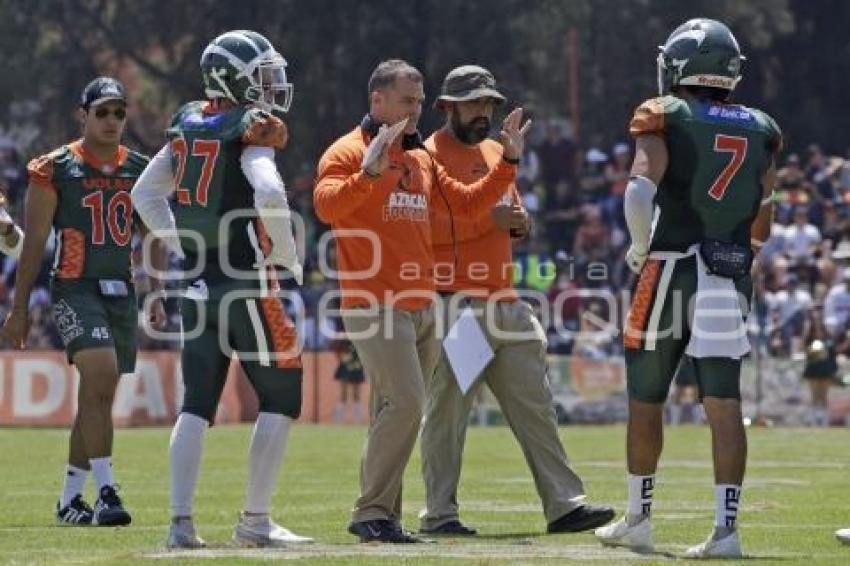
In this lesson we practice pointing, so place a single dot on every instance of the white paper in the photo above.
(467, 349)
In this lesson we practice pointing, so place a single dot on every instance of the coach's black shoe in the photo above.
(76, 512)
(452, 528)
(583, 518)
(383, 530)
(108, 511)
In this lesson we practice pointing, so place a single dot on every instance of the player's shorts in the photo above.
(649, 372)
(86, 319)
(261, 335)
(686, 375)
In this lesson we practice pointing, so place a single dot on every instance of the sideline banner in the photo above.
(40, 389)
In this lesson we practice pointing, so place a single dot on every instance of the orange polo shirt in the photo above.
(484, 261)
(382, 226)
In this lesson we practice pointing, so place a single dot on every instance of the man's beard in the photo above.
(473, 133)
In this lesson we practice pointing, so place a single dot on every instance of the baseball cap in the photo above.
(100, 90)
(469, 82)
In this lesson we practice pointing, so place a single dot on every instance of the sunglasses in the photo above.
(102, 113)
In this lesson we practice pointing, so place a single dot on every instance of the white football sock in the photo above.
(641, 489)
(187, 443)
(75, 483)
(357, 413)
(101, 469)
(268, 445)
(339, 412)
(726, 498)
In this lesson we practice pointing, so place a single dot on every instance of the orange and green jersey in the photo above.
(206, 148)
(717, 156)
(93, 222)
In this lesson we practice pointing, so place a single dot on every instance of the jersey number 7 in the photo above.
(735, 145)
(206, 149)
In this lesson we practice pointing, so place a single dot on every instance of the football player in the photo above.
(219, 167)
(82, 191)
(697, 203)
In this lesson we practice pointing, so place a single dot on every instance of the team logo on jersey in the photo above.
(728, 113)
(201, 121)
(67, 322)
(403, 206)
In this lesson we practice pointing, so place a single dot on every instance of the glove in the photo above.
(635, 258)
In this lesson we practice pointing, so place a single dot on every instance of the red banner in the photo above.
(39, 388)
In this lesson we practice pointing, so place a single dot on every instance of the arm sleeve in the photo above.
(150, 199)
(341, 187)
(270, 201)
(639, 209)
(479, 197)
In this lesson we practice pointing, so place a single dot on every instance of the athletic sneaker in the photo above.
(451, 528)
(108, 510)
(76, 512)
(260, 530)
(181, 534)
(383, 530)
(843, 535)
(581, 518)
(728, 546)
(637, 537)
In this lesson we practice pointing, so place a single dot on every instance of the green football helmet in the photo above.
(700, 52)
(243, 67)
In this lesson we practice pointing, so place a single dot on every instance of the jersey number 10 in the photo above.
(735, 145)
(206, 149)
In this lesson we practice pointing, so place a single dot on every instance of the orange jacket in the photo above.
(484, 261)
(388, 260)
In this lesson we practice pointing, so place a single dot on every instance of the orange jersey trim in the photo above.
(40, 170)
(648, 119)
(641, 304)
(72, 258)
(113, 163)
(283, 333)
(269, 132)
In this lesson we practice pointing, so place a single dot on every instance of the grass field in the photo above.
(796, 495)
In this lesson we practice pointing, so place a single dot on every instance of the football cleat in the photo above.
(260, 531)
(637, 537)
(728, 546)
(76, 512)
(108, 509)
(843, 535)
(181, 534)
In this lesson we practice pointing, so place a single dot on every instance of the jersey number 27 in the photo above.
(205, 149)
(737, 146)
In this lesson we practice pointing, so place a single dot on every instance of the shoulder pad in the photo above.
(136, 160)
(650, 117)
(774, 132)
(40, 169)
(264, 129)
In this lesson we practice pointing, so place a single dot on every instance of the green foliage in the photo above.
(796, 53)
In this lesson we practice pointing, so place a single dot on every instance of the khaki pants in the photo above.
(517, 377)
(402, 348)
